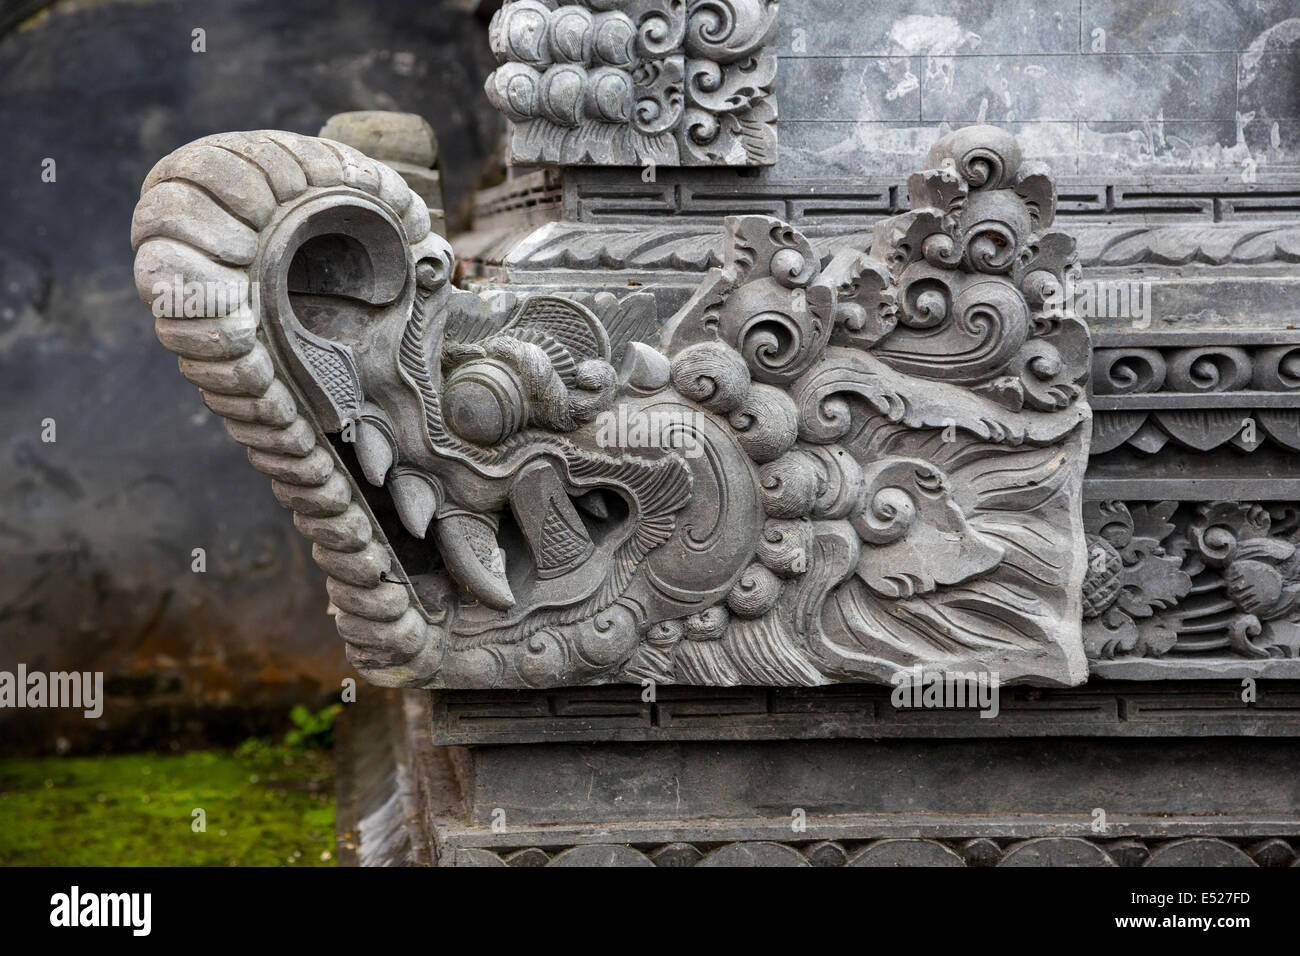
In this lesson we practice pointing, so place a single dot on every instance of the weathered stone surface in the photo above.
(386, 136)
(1213, 800)
(754, 854)
(598, 855)
(906, 853)
(1197, 86)
(1056, 851)
(845, 428)
(1154, 26)
(936, 29)
(1174, 785)
(1198, 851)
(1098, 89)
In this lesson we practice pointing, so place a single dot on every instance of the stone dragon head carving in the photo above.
(820, 470)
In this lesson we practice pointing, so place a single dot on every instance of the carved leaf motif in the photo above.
(1112, 429)
(1282, 425)
(1201, 429)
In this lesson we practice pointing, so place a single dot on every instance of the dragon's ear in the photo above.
(307, 238)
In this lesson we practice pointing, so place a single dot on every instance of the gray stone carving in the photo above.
(1240, 392)
(1211, 579)
(822, 470)
(636, 82)
(907, 852)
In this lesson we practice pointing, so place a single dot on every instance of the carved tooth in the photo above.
(469, 546)
(644, 368)
(594, 503)
(416, 499)
(374, 452)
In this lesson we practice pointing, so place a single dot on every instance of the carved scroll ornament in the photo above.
(820, 471)
(637, 82)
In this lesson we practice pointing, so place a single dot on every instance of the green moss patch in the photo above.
(263, 805)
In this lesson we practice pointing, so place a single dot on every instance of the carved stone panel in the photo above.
(820, 469)
(636, 82)
(1213, 586)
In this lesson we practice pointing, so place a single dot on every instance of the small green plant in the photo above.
(312, 730)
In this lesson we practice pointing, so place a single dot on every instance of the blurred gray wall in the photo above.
(98, 527)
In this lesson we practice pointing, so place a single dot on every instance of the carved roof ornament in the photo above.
(821, 471)
(636, 82)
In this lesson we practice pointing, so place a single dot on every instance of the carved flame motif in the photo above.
(820, 472)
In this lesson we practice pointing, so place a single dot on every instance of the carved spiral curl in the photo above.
(702, 127)
(984, 156)
(661, 106)
(888, 516)
(707, 625)
(991, 247)
(941, 250)
(1127, 371)
(831, 421)
(766, 423)
(1209, 369)
(728, 30)
(788, 486)
(755, 593)
(712, 374)
(1277, 369)
(1041, 286)
(772, 342)
(792, 268)
(980, 166)
(785, 547)
(660, 33)
(927, 303)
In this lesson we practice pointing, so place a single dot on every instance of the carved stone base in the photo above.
(1055, 802)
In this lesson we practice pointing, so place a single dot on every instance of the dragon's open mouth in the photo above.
(819, 468)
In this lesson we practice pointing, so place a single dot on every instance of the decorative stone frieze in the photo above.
(636, 82)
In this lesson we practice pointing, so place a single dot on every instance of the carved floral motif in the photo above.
(1217, 577)
(857, 464)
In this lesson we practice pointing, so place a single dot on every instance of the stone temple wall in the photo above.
(1097, 88)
